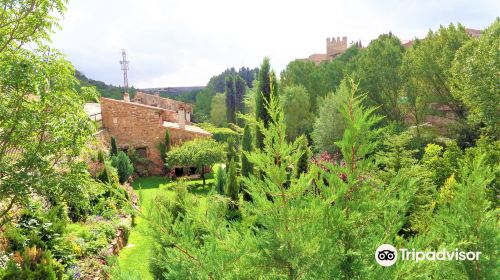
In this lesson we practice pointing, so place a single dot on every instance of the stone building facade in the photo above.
(141, 123)
(334, 48)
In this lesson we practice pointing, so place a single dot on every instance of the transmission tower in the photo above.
(124, 64)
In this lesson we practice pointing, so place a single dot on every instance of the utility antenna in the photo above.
(124, 64)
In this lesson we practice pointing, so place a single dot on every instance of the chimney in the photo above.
(181, 118)
(126, 97)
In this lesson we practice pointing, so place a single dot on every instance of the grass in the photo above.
(133, 260)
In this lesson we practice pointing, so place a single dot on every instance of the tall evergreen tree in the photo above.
(230, 99)
(123, 166)
(246, 165)
(303, 162)
(240, 90)
(165, 147)
(114, 147)
(220, 179)
(267, 87)
(232, 188)
(232, 150)
(246, 146)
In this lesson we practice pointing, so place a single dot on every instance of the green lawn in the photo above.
(133, 260)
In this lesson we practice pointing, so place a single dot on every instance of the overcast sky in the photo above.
(185, 42)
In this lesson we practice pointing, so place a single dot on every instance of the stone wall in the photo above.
(173, 105)
(335, 47)
(140, 126)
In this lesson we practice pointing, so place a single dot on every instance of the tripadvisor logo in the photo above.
(387, 255)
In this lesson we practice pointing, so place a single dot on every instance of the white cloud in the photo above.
(181, 43)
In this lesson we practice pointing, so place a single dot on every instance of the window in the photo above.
(142, 152)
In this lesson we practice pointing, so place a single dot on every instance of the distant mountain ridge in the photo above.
(116, 92)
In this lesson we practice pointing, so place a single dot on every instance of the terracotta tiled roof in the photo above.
(473, 32)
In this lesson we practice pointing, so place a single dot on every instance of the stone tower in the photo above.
(335, 47)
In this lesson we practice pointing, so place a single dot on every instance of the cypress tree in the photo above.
(240, 87)
(230, 100)
(303, 161)
(220, 179)
(232, 149)
(267, 87)
(165, 148)
(232, 188)
(114, 147)
(167, 140)
(123, 166)
(100, 156)
(246, 166)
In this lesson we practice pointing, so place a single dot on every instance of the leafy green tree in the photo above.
(25, 21)
(476, 77)
(426, 69)
(199, 153)
(218, 110)
(123, 166)
(43, 127)
(318, 80)
(330, 124)
(298, 113)
(203, 105)
(114, 148)
(305, 74)
(377, 69)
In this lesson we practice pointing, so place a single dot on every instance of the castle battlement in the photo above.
(334, 47)
(333, 41)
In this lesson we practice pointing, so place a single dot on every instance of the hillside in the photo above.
(104, 89)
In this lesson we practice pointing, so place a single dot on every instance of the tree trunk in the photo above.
(203, 175)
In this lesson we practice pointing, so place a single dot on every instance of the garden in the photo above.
(306, 175)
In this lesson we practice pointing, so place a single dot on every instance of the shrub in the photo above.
(109, 174)
(141, 165)
(220, 134)
(123, 166)
(114, 148)
(33, 263)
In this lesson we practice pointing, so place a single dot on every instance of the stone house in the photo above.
(334, 48)
(141, 123)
